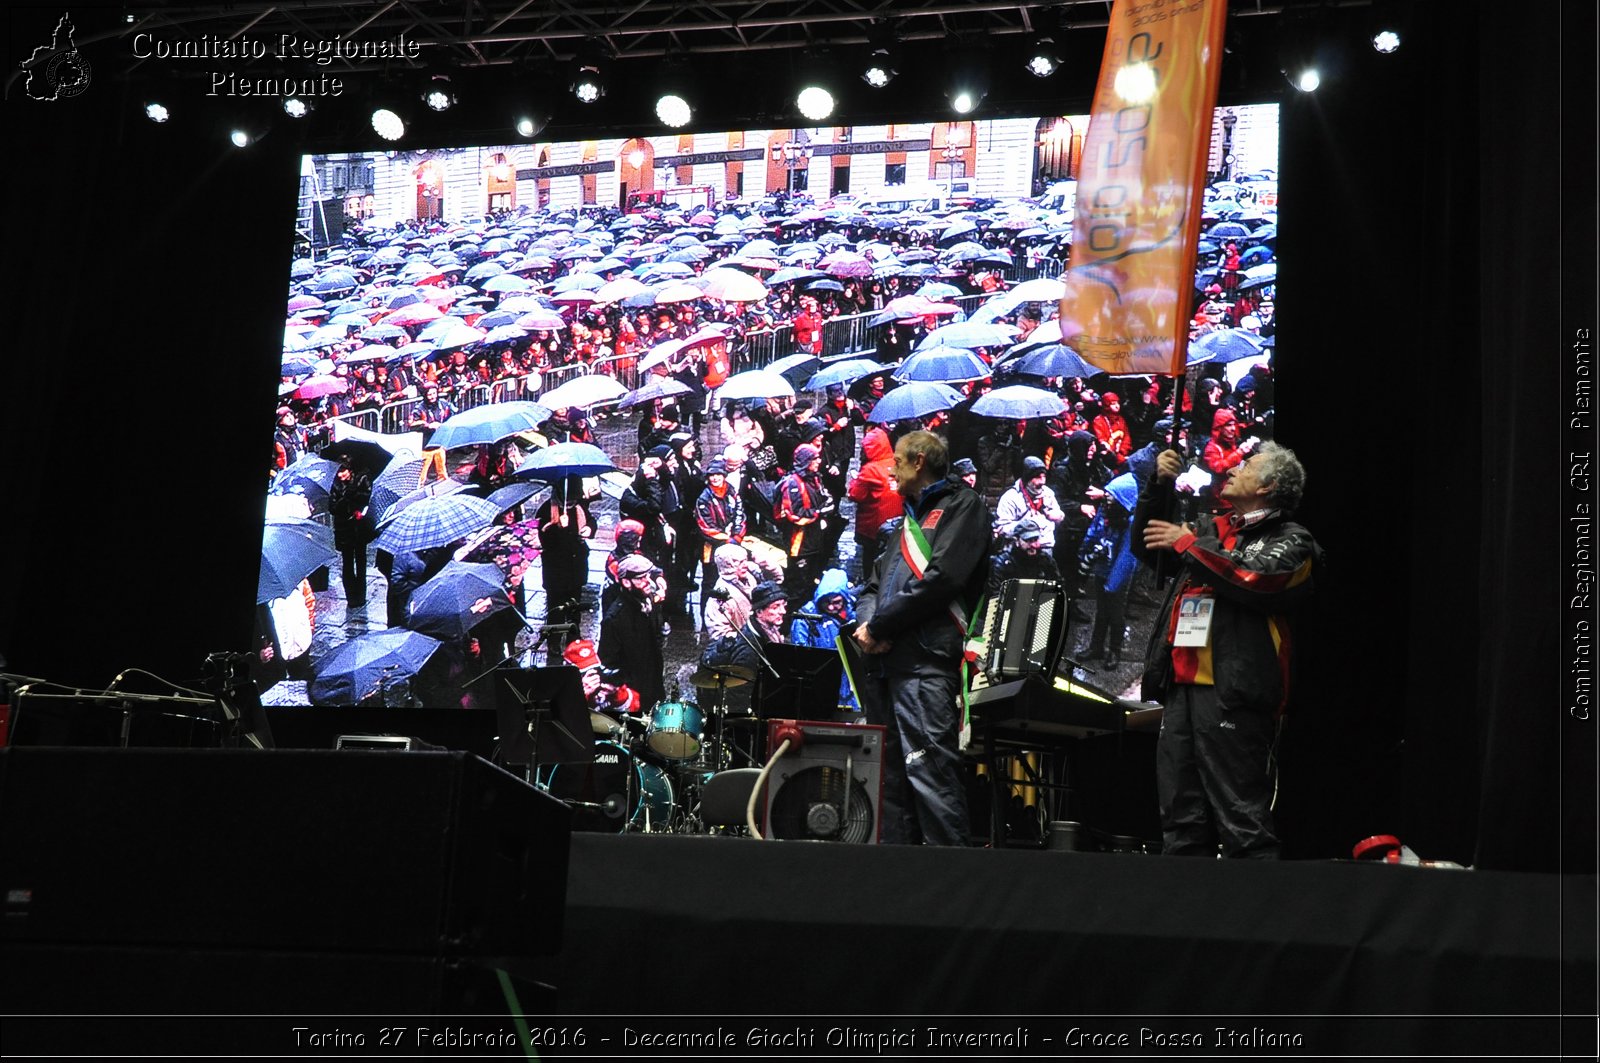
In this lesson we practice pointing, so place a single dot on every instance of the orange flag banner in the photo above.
(1130, 278)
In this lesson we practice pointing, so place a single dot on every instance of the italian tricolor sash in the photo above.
(914, 548)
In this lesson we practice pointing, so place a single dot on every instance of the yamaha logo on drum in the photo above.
(607, 758)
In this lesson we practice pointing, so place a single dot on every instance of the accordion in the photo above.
(1023, 629)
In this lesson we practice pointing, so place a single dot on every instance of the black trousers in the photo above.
(355, 574)
(924, 792)
(1215, 776)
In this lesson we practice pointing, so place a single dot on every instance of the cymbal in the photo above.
(709, 677)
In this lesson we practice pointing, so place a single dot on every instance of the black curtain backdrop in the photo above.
(1422, 336)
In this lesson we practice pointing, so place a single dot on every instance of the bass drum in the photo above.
(617, 792)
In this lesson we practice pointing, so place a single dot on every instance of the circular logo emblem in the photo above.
(68, 74)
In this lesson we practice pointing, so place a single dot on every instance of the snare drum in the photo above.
(675, 730)
(629, 792)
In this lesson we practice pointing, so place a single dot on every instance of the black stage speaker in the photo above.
(1023, 626)
(429, 853)
(828, 786)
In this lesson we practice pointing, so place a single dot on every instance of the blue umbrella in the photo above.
(910, 401)
(310, 476)
(1224, 345)
(457, 600)
(846, 372)
(563, 460)
(939, 290)
(436, 521)
(514, 494)
(950, 365)
(1052, 360)
(292, 549)
(489, 423)
(1256, 256)
(587, 281)
(969, 334)
(1019, 402)
(659, 387)
(369, 667)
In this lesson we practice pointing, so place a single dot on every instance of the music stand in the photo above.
(808, 677)
(543, 716)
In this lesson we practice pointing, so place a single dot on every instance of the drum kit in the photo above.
(647, 774)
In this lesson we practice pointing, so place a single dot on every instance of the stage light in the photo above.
(589, 78)
(388, 124)
(157, 113)
(674, 110)
(296, 106)
(882, 59)
(241, 138)
(1136, 83)
(967, 77)
(438, 94)
(1388, 24)
(815, 103)
(1306, 80)
(1044, 58)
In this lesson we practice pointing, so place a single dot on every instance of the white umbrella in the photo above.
(1042, 290)
(731, 286)
(755, 384)
(583, 391)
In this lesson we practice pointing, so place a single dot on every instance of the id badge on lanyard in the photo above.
(1196, 608)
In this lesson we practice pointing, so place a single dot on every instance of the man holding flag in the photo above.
(913, 614)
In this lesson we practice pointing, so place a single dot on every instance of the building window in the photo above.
(894, 173)
(841, 181)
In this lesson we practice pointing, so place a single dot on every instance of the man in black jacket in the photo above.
(1220, 660)
(630, 637)
(913, 617)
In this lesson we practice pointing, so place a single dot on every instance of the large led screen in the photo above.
(509, 369)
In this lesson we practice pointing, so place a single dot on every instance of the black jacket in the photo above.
(915, 613)
(1260, 582)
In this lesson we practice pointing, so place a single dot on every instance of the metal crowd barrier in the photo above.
(366, 420)
(624, 368)
(393, 418)
(850, 334)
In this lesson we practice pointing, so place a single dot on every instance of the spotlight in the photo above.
(1044, 56)
(815, 103)
(1306, 80)
(1388, 23)
(439, 95)
(674, 110)
(531, 121)
(296, 106)
(882, 59)
(589, 78)
(968, 78)
(1136, 83)
(388, 124)
(157, 113)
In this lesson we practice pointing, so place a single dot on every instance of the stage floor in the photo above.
(673, 925)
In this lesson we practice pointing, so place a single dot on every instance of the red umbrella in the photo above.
(415, 314)
(318, 386)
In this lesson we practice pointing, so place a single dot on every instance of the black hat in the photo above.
(765, 594)
(716, 466)
(1163, 429)
(1032, 466)
(964, 467)
(662, 451)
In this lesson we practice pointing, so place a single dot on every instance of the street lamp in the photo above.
(1229, 120)
(796, 158)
